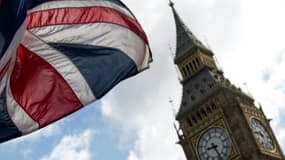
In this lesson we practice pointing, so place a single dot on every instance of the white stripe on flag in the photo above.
(98, 34)
(81, 3)
(63, 65)
(11, 51)
(18, 115)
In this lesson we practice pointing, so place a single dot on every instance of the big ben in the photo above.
(217, 120)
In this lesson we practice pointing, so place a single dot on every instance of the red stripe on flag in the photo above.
(0, 3)
(4, 69)
(40, 90)
(84, 15)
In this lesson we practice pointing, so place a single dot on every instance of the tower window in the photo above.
(195, 65)
(189, 122)
(192, 68)
(192, 98)
(197, 61)
(213, 105)
(188, 69)
(209, 110)
(211, 85)
(199, 115)
(203, 112)
(194, 119)
(202, 91)
(183, 71)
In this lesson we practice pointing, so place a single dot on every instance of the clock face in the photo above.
(214, 144)
(261, 135)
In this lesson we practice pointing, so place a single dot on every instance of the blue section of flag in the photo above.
(102, 67)
(32, 3)
(8, 130)
(12, 15)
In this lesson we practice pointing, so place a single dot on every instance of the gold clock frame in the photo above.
(219, 123)
(251, 112)
(267, 130)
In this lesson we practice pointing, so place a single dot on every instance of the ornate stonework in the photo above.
(217, 121)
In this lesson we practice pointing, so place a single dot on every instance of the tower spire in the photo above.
(186, 42)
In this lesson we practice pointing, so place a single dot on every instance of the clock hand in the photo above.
(215, 148)
(257, 132)
(261, 138)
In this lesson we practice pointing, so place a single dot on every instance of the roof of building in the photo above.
(186, 41)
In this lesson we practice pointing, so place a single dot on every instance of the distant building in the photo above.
(217, 121)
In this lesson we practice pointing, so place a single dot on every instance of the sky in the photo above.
(134, 121)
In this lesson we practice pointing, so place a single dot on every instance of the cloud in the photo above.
(281, 136)
(154, 141)
(72, 147)
(132, 156)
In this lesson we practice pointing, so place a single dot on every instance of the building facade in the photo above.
(217, 121)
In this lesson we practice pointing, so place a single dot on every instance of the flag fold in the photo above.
(58, 56)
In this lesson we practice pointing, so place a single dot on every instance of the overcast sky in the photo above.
(134, 120)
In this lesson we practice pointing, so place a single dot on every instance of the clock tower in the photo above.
(217, 121)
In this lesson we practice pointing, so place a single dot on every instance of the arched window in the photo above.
(188, 68)
(192, 68)
(199, 116)
(189, 122)
(209, 110)
(195, 65)
(213, 105)
(183, 71)
(211, 85)
(203, 112)
(194, 119)
(197, 61)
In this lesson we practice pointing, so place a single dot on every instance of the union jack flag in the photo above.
(58, 56)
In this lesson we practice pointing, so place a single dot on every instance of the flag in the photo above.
(62, 56)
